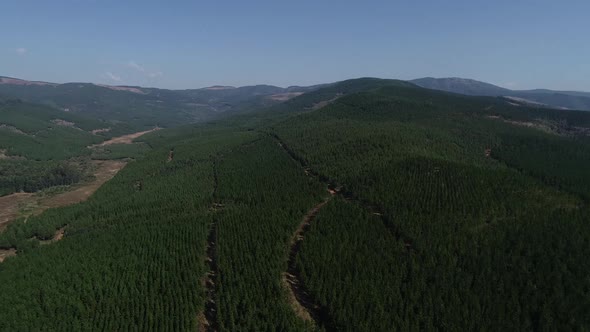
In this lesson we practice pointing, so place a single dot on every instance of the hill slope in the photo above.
(140, 108)
(548, 98)
(367, 205)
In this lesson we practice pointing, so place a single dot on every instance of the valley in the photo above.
(24, 205)
(356, 166)
(297, 215)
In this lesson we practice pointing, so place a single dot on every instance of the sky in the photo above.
(518, 44)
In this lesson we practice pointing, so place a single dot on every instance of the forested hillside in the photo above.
(367, 205)
(573, 100)
(141, 108)
(36, 140)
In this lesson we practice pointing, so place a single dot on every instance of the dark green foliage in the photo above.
(120, 151)
(131, 259)
(31, 176)
(465, 243)
(558, 161)
(33, 132)
(265, 195)
(434, 233)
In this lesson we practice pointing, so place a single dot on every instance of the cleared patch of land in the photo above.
(10, 206)
(284, 96)
(3, 156)
(28, 204)
(59, 234)
(101, 130)
(126, 139)
(4, 253)
(105, 170)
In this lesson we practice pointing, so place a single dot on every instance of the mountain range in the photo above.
(574, 100)
(138, 108)
(141, 107)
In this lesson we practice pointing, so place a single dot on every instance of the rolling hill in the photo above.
(538, 97)
(140, 108)
(365, 205)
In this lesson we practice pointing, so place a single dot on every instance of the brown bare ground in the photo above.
(12, 129)
(4, 253)
(16, 81)
(59, 234)
(284, 96)
(11, 204)
(64, 123)
(3, 156)
(105, 171)
(126, 139)
(101, 130)
(325, 103)
(300, 301)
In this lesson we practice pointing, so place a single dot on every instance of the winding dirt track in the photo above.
(207, 319)
(126, 139)
(11, 205)
(299, 298)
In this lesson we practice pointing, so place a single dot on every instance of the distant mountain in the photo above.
(538, 97)
(461, 85)
(140, 107)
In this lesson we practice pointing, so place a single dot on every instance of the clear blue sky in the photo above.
(188, 44)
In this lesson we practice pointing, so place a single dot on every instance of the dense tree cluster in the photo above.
(264, 195)
(451, 216)
(16, 176)
(466, 242)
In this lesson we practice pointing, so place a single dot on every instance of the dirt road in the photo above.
(12, 206)
(126, 139)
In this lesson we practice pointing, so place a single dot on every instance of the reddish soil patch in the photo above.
(299, 299)
(9, 206)
(4, 253)
(16, 81)
(284, 96)
(105, 171)
(59, 234)
(325, 103)
(3, 156)
(101, 130)
(126, 139)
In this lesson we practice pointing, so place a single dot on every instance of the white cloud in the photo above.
(141, 69)
(134, 65)
(155, 74)
(112, 76)
(21, 51)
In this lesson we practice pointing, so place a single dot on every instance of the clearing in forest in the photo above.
(126, 139)
(12, 206)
